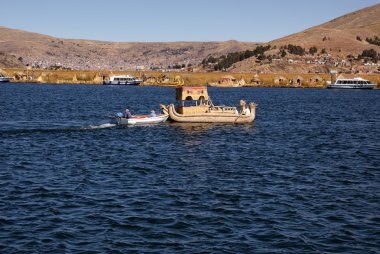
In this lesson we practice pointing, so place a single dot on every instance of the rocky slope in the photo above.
(9, 61)
(339, 38)
(46, 51)
(340, 35)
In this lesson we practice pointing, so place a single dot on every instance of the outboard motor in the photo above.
(119, 114)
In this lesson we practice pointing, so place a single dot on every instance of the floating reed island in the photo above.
(155, 78)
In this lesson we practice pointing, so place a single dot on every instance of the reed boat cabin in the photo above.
(192, 100)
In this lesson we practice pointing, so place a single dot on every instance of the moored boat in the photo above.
(355, 83)
(194, 106)
(4, 78)
(122, 80)
(228, 81)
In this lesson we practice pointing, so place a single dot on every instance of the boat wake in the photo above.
(101, 126)
(21, 131)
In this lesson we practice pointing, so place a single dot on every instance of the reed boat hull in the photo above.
(212, 117)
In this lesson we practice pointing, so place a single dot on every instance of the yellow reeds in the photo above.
(188, 78)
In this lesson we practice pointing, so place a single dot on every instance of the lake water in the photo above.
(304, 178)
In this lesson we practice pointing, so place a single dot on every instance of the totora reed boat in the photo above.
(194, 106)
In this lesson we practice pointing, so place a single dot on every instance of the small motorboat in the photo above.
(4, 78)
(139, 119)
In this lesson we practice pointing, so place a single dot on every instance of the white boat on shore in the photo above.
(355, 83)
(123, 80)
(4, 79)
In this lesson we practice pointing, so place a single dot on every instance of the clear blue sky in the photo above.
(172, 20)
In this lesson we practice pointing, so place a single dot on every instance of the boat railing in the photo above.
(223, 109)
(220, 108)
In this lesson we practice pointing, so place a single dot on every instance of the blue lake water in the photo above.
(304, 178)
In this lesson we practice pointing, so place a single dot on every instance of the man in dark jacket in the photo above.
(127, 113)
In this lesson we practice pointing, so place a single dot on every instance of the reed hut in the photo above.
(21, 76)
(53, 78)
(43, 77)
(104, 77)
(83, 78)
(150, 81)
(64, 77)
(298, 80)
(279, 80)
(242, 82)
(316, 79)
(256, 80)
(98, 78)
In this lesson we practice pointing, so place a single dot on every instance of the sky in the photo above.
(172, 20)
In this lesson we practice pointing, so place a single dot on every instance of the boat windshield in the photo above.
(353, 82)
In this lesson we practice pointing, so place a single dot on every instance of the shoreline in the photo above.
(172, 79)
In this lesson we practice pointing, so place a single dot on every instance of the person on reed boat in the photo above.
(246, 112)
(244, 109)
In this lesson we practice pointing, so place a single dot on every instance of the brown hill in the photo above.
(86, 54)
(339, 37)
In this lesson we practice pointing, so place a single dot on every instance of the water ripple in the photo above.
(303, 178)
